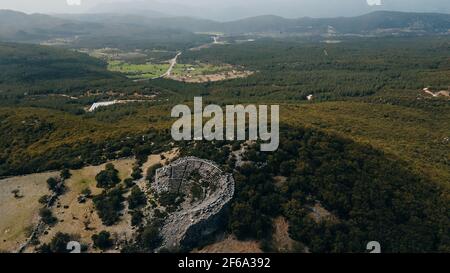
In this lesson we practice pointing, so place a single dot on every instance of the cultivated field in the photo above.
(138, 71)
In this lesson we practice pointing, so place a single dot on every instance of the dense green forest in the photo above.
(36, 140)
(31, 69)
(371, 195)
(285, 70)
(354, 68)
(56, 78)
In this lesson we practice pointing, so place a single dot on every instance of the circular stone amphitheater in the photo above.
(195, 193)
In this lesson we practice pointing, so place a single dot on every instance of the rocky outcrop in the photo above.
(195, 218)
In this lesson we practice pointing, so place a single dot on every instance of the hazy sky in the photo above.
(231, 9)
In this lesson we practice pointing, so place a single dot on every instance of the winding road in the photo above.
(173, 61)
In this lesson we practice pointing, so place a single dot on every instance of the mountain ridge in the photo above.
(18, 26)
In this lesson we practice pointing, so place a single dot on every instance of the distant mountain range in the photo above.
(231, 10)
(91, 31)
(16, 26)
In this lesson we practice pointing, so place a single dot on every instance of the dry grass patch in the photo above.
(17, 215)
(282, 242)
(81, 219)
(231, 245)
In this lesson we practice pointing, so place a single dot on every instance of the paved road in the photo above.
(172, 62)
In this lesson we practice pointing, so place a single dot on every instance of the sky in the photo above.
(230, 9)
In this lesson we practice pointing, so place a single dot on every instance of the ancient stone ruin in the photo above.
(198, 193)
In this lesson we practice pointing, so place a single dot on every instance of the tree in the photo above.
(47, 216)
(125, 152)
(86, 192)
(52, 183)
(109, 205)
(236, 146)
(150, 238)
(102, 240)
(44, 248)
(137, 172)
(136, 218)
(65, 174)
(108, 178)
(44, 199)
(286, 167)
(59, 243)
(242, 220)
(129, 182)
(151, 171)
(137, 198)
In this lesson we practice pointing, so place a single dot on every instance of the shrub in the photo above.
(47, 216)
(151, 171)
(137, 198)
(136, 218)
(108, 178)
(108, 205)
(44, 199)
(102, 240)
(65, 174)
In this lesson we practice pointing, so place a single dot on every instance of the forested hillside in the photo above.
(37, 140)
(36, 69)
(21, 27)
(370, 195)
(362, 142)
(294, 69)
